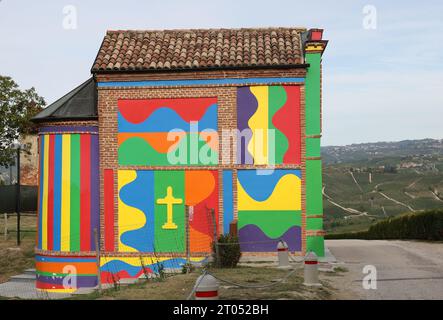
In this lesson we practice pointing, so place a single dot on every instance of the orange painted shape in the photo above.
(198, 186)
(198, 241)
(57, 267)
(157, 140)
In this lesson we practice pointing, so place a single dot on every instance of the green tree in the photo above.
(17, 107)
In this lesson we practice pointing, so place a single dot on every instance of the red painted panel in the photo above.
(190, 109)
(316, 35)
(291, 129)
(109, 209)
(50, 224)
(85, 192)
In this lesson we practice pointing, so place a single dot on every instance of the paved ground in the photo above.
(405, 269)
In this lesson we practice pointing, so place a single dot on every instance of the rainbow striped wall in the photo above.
(65, 273)
(69, 189)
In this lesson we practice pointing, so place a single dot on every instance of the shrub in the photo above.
(427, 225)
(228, 252)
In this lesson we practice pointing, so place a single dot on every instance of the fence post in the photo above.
(233, 232)
(97, 250)
(6, 226)
(217, 253)
(188, 253)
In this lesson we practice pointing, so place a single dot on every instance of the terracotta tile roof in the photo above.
(145, 50)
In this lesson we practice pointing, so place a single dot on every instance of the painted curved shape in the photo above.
(189, 109)
(285, 196)
(277, 99)
(201, 191)
(159, 141)
(260, 186)
(199, 241)
(139, 194)
(165, 120)
(254, 240)
(272, 223)
(247, 105)
(199, 185)
(129, 218)
(258, 145)
(290, 129)
(137, 151)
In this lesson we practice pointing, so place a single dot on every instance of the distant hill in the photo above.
(364, 183)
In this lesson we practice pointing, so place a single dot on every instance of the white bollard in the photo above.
(283, 255)
(311, 270)
(207, 288)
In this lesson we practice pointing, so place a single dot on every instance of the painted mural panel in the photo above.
(268, 118)
(116, 268)
(151, 210)
(269, 209)
(164, 132)
(55, 273)
(69, 192)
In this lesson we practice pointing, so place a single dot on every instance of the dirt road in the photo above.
(405, 269)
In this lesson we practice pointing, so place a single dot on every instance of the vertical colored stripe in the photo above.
(50, 222)
(57, 191)
(40, 190)
(109, 209)
(85, 192)
(95, 189)
(66, 193)
(75, 193)
(44, 243)
(228, 203)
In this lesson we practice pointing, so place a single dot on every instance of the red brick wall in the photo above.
(227, 119)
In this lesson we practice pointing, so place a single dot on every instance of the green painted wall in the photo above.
(313, 174)
(169, 240)
(313, 147)
(313, 126)
(316, 244)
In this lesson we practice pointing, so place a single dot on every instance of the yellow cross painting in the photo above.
(169, 201)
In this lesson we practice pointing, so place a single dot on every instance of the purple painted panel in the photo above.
(254, 240)
(61, 129)
(246, 106)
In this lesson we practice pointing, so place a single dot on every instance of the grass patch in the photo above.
(179, 286)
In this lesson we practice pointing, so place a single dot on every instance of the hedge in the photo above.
(427, 225)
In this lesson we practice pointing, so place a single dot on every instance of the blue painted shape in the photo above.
(140, 194)
(166, 119)
(198, 82)
(116, 266)
(42, 163)
(57, 191)
(261, 186)
(40, 258)
(228, 201)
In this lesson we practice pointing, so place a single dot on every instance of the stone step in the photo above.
(29, 271)
(23, 278)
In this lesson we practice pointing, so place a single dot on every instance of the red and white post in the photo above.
(283, 254)
(311, 270)
(207, 288)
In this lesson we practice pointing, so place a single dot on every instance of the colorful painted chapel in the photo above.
(178, 137)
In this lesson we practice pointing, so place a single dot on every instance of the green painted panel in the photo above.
(314, 198)
(272, 223)
(312, 87)
(313, 147)
(190, 151)
(169, 240)
(277, 99)
(75, 193)
(314, 224)
(316, 244)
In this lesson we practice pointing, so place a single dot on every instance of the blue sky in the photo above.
(382, 84)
